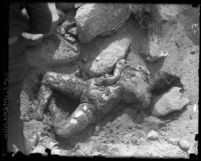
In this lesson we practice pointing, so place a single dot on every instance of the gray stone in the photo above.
(169, 102)
(73, 31)
(168, 12)
(174, 141)
(54, 50)
(100, 19)
(153, 135)
(101, 55)
(183, 144)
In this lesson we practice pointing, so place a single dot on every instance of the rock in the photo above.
(54, 50)
(194, 49)
(73, 31)
(169, 102)
(152, 51)
(101, 54)
(183, 144)
(69, 38)
(64, 6)
(174, 141)
(100, 19)
(153, 135)
(153, 122)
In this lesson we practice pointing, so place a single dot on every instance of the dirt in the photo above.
(124, 131)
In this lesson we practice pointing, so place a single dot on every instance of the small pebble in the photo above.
(194, 108)
(194, 49)
(152, 135)
(62, 31)
(69, 38)
(55, 151)
(174, 141)
(183, 144)
(73, 31)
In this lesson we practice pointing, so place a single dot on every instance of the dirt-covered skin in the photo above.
(98, 96)
(96, 99)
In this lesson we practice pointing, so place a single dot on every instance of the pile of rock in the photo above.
(169, 102)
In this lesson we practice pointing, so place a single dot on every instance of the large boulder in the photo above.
(54, 50)
(101, 54)
(100, 19)
(169, 102)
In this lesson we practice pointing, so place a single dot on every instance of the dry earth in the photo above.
(124, 132)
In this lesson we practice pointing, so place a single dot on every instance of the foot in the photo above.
(31, 142)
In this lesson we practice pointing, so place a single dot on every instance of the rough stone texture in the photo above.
(179, 49)
(173, 141)
(169, 102)
(152, 135)
(100, 19)
(54, 50)
(102, 53)
(189, 18)
(183, 144)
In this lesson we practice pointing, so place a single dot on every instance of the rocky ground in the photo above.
(124, 131)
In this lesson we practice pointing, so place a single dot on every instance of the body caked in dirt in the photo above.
(98, 96)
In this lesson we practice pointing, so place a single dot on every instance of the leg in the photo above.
(69, 84)
(80, 119)
(18, 68)
(15, 125)
(96, 102)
